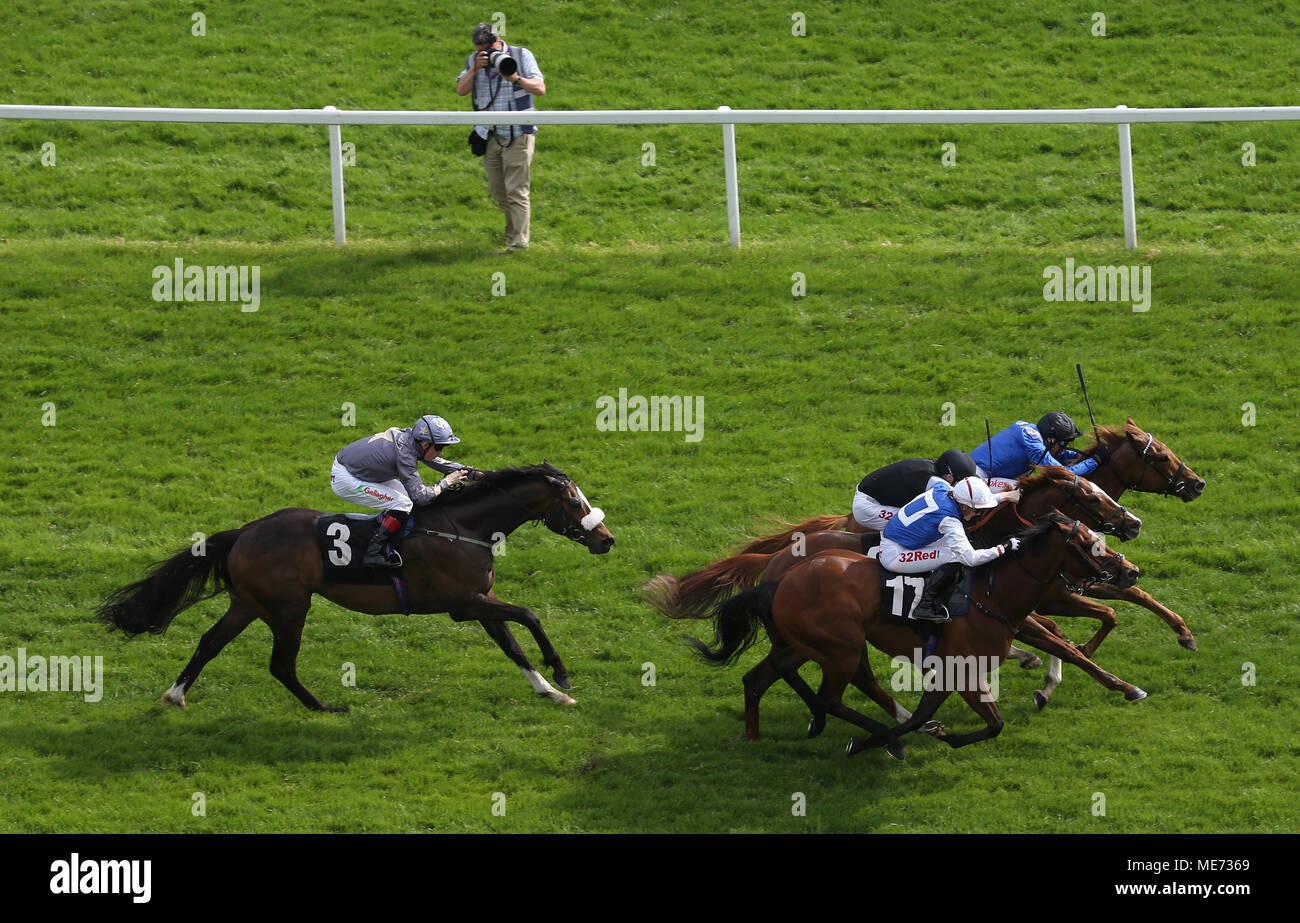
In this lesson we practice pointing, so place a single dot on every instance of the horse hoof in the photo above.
(1040, 701)
(1189, 643)
(858, 745)
(179, 701)
(895, 750)
(933, 728)
(816, 724)
(562, 680)
(1033, 663)
(561, 698)
(1136, 695)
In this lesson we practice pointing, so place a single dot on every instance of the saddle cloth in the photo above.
(899, 593)
(342, 539)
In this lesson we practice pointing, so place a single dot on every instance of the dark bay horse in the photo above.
(826, 608)
(272, 566)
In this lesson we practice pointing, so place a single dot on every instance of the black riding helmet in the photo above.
(955, 462)
(1058, 427)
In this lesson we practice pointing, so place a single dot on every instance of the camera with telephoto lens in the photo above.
(502, 61)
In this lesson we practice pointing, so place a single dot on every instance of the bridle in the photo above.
(1107, 524)
(1100, 573)
(1174, 483)
(574, 531)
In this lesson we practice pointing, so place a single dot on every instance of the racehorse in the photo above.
(827, 607)
(1048, 489)
(1134, 460)
(272, 566)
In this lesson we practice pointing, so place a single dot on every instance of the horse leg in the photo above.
(865, 680)
(491, 609)
(500, 633)
(286, 629)
(1033, 632)
(238, 617)
(1072, 605)
(836, 675)
(1028, 660)
(756, 682)
(1137, 595)
(925, 710)
(982, 704)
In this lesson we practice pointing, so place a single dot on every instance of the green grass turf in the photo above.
(924, 286)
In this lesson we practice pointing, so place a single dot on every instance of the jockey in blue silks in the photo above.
(1021, 446)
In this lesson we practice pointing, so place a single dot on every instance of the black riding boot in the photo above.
(387, 534)
(938, 583)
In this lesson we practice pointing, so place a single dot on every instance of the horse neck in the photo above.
(1001, 523)
(494, 509)
(1029, 591)
(1107, 476)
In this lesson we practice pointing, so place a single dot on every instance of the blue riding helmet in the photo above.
(434, 429)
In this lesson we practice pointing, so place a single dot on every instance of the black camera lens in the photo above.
(502, 61)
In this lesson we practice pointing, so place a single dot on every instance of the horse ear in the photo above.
(1130, 422)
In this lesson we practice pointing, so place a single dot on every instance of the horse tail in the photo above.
(173, 585)
(735, 627)
(771, 544)
(693, 596)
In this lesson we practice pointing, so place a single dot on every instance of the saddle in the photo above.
(899, 594)
(341, 539)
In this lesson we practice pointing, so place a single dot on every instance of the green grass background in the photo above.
(924, 286)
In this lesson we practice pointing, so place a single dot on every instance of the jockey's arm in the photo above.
(954, 536)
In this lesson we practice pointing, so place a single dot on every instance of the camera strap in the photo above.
(492, 130)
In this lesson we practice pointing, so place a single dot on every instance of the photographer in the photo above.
(504, 78)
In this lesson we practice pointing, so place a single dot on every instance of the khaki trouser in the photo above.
(509, 175)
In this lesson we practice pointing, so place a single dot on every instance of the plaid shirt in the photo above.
(508, 97)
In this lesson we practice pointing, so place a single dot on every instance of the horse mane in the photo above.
(1110, 435)
(1040, 475)
(503, 478)
(1035, 532)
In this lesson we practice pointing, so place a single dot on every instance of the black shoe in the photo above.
(930, 610)
(937, 584)
(377, 555)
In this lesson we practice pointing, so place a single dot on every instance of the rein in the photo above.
(1172, 483)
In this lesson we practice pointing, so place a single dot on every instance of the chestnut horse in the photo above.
(827, 607)
(1135, 460)
(1048, 489)
(272, 566)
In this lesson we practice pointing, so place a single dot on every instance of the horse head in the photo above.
(503, 499)
(1054, 488)
(1088, 559)
(571, 515)
(1140, 461)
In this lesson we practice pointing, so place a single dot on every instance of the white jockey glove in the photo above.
(1011, 544)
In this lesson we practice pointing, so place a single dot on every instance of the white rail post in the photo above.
(336, 182)
(729, 170)
(1126, 184)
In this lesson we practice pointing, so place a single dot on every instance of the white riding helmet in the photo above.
(973, 492)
